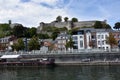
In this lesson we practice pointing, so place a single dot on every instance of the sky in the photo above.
(31, 12)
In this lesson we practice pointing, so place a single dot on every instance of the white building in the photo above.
(61, 40)
(88, 39)
(101, 40)
(83, 37)
(78, 38)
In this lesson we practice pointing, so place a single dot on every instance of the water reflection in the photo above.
(61, 73)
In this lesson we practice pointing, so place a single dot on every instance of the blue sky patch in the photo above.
(46, 5)
(25, 0)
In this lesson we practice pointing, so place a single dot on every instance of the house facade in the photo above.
(7, 42)
(88, 38)
(102, 40)
(61, 41)
(78, 39)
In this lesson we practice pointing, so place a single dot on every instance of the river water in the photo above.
(62, 73)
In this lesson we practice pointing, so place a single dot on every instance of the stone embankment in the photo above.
(98, 58)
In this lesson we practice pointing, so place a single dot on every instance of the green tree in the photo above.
(117, 25)
(59, 18)
(15, 46)
(98, 25)
(74, 20)
(19, 30)
(111, 40)
(34, 44)
(50, 28)
(43, 36)
(70, 43)
(26, 32)
(66, 19)
(106, 26)
(70, 32)
(62, 29)
(5, 27)
(19, 45)
(5, 30)
(32, 31)
(54, 35)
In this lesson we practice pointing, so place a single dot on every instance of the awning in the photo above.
(9, 56)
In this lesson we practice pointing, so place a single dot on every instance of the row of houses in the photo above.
(84, 38)
(7, 42)
(89, 38)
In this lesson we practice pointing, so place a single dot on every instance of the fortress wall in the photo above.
(68, 24)
(84, 23)
(62, 24)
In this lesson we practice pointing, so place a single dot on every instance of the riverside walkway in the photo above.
(74, 57)
(82, 51)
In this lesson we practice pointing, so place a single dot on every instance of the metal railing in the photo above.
(81, 51)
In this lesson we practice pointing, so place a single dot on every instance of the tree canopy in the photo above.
(32, 31)
(43, 36)
(117, 25)
(98, 24)
(19, 45)
(74, 20)
(59, 18)
(54, 35)
(18, 30)
(106, 26)
(66, 19)
(70, 43)
(111, 40)
(101, 25)
(34, 43)
(5, 30)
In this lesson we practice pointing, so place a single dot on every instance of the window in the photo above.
(93, 37)
(118, 36)
(102, 42)
(81, 43)
(64, 41)
(79, 32)
(115, 36)
(104, 48)
(75, 42)
(119, 42)
(106, 36)
(81, 36)
(75, 47)
(98, 36)
(75, 38)
(98, 42)
(102, 36)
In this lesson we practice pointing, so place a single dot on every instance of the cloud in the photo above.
(32, 12)
(29, 13)
(95, 10)
(50, 2)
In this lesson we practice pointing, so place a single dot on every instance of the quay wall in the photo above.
(82, 59)
(111, 58)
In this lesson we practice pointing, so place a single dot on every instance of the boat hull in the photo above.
(26, 64)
